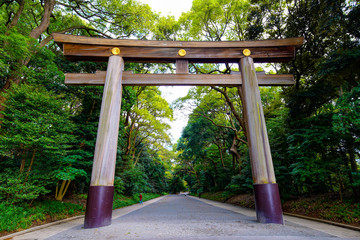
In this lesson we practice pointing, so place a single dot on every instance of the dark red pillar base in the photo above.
(268, 204)
(99, 206)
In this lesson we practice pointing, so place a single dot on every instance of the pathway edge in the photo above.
(115, 215)
(248, 212)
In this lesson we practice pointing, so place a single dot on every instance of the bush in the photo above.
(177, 185)
(216, 196)
(13, 217)
(119, 185)
(57, 209)
(16, 188)
(347, 212)
(123, 201)
(135, 181)
(239, 185)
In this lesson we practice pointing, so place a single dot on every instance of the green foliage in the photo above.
(155, 170)
(66, 169)
(239, 185)
(34, 120)
(14, 217)
(59, 210)
(216, 196)
(135, 181)
(177, 185)
(216, 20)
(166, 28)
(36, 134)
(210, 139)
(347, 116)
(15, 188)
(123, 201)
(329, 209)
(119, 185)
(15, 49)
(356, 176)
(342, 211)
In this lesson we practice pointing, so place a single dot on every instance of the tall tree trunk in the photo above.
(133, 154)
(60, 193)
(233, 149)
(45, 22)
(233, 162)
(17, 15)
(215, 168)
(138, 156)
(232, 107)
(221, 155)
(351, 179)
(23, 160)
(341, 187)
(131, 129)
(196, 174)
(31, 164)
(354, 167)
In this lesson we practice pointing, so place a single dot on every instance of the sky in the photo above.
(180, 116)
(169, 7)
(174, 8)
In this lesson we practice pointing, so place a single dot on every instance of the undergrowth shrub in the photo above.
(16, 217)
(123, 201)
(16, 188)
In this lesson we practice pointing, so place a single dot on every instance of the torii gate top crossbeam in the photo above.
(99, 49)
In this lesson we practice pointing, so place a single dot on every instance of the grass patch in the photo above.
(216, 196)
(326, 207)
(123, 201)
(19, 217)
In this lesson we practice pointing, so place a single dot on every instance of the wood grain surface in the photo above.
(107, 137)
(65, 38)
(182, 66)
(260, 155)
(130, 79)
(77, 52)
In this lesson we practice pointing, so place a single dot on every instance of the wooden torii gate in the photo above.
(101, 191)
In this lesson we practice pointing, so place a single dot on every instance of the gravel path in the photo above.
(181, 217)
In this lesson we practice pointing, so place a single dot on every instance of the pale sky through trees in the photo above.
(174, 8)
(169, 7)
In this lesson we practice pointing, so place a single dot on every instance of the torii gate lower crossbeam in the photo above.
(100, 198)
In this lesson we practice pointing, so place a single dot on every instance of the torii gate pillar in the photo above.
(266, 191)
(101, 191)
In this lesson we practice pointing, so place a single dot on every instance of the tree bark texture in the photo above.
(45, 22)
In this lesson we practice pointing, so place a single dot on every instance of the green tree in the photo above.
(177, 185)
(216, 20)
(36, 134)
(145, 124)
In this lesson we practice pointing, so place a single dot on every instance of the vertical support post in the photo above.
(101, 191)
(182, 66)
(266, 191)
